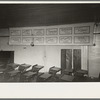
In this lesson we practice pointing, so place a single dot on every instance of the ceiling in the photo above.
(29, 15)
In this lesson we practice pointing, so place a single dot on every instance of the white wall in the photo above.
(94, 57)
(44, 55)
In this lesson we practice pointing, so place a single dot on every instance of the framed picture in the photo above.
(38, 32)
(26, 32)
(65, 39)
(65, 31)
(51, 40)
(15, 32)
(52, 31)
(38, 40)
(26, 40)
(82, 39)
(82, 30)
(15, 40)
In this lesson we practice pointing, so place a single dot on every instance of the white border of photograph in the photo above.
(50, 90)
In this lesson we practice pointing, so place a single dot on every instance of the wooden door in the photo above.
(6, 57)
(66, 59)
(76, 59)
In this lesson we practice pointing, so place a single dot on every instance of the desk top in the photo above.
(67, 78)
(56, 69)
(29, 74)
(25, 65)
(14, 72)
(13, 65)
(68, 70)
(45, 75)
(39, 66)
(82, 71)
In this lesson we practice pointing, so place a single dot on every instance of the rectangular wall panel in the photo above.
(66, 59)
(77, 59)
(72, 34)
(69, 58)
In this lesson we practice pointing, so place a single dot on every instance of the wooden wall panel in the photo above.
(63, 59)
(77, 59)
(66, 59)
(69, 58)
(6, 57)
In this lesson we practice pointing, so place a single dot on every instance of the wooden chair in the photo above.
(13, 65)
(12, 73)
(81, 73)
(36, 68)
(53, 70)
(32, 74)
(66, 78)
(44, 77)
(9, 67)
(51, 75)
(67, 72)
(23, 69)
(67, 75)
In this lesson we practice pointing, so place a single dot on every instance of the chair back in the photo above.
(53, 70)
(21, 68)
(67, 71)
(36, 68)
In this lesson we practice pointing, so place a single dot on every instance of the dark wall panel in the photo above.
(66, 59)
(77, 59)
(63, 59)
(69, 58)
(6, 57)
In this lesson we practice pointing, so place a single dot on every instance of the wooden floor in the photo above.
(52, 79)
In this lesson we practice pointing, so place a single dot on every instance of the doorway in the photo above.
(6, 57)
(71, 59)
